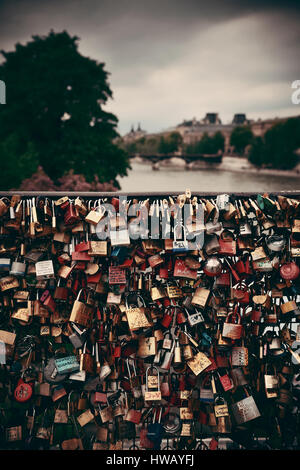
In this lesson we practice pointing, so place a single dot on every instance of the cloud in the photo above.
(238, 66)
(171, 60)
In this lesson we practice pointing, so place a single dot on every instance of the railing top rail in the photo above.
(94, 194)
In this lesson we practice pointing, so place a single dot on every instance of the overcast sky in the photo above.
(172, 60)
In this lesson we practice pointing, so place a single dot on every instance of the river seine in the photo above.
(141, 178)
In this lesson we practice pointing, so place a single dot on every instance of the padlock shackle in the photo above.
(138, 295)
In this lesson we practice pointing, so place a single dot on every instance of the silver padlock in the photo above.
(18, 268)
(223, 202)
(245, 229)
(78, 337)
(195, 318)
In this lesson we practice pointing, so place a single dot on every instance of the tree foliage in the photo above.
(153, 145)
(277, 149)
(240, 138)
(170, 143)
(54, 115)
(207, 144)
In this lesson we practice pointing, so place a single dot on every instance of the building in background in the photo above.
(192, 130)
(134, 134)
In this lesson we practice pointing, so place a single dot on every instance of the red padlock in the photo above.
(81, 256)
(240, 267)
(71, 215)
(168, 316)
(255, 315)
(180, 317)
(234, 272)
(61, 292)
(83, 246)
(100, 397)
(163, 272)
(115, 202)
(65, 205)
(50, 304)
(226, 382)
(44, 296)
(117, 351)
(243, 267)
(242, 293)
(248, 268)
(23, 391)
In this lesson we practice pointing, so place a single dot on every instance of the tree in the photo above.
(277, 149)
(174, 140)
(207, 144)
(256, 154)
(241, 136)
(55, 99)
(219, 141)
(170, 143)
(18, 158)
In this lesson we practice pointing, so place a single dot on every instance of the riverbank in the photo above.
(232, 164)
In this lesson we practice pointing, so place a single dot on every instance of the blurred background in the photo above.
(150, 96)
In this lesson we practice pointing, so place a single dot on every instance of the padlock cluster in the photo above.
(145, 341)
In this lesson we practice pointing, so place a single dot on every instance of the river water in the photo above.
(142, 178)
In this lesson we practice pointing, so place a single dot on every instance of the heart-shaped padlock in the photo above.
(23, 391)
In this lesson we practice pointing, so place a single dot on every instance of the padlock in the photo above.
(23, 391)
(95, 215)
(81, 314)
(227, 244)
(177, 353)
(137, 317)
(167, 358)
(86, 361)
(195, 318)
(289, 307)
(222, 202)
(245, 410)
(154, 395)
(271, 382)
(239, 356)
(125, 430)
(180, 246)
(18, 268)
(61, 415)
(71, 215)
(226, 382)
(44, 269)
(147, 346)
(155, 430)
(78, 337)
(61, 293)
(201, 296)
(167, 342)
(233, 330)
(82, 401)
(168, 316)
(13, 433)
(134, 416)
(220, 405)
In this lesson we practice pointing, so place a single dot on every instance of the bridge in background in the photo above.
(154, 158)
